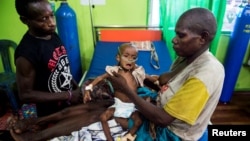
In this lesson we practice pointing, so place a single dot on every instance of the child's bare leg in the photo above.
(20, 137)
(64, 127)
(33, 124)
(90, 114)
(77, 110)
(20, 126)
(131, 135)
(122, 121)
(108, 114)
(137, 122)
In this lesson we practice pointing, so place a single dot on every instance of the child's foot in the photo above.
(21, 137)
(20, 126)
(128, 137)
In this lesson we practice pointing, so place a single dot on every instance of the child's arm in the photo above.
(152, 78)
(151, 81)
(89, 88)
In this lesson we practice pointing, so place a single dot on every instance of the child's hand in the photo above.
(163, 88)
(86, 96)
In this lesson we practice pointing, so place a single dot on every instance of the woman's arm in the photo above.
(155, 114)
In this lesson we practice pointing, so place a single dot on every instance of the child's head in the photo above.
(37, 15)
(127, 56)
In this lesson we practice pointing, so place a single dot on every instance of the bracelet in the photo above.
(69, 98)
(89, 87)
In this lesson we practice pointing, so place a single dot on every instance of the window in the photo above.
(154, 13)
(233, 8)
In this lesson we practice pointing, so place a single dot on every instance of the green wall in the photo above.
(10, 25)
(114, 12)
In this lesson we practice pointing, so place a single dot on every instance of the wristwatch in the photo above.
(89, 87)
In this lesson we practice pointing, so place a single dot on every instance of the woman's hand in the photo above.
(118, 82)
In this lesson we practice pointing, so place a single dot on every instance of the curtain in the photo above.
(170, 10)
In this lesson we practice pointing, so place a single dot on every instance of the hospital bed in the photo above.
(154, 56)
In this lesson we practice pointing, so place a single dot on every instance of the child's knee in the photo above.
(103, 117)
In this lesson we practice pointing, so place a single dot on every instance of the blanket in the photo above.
(94, 131)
